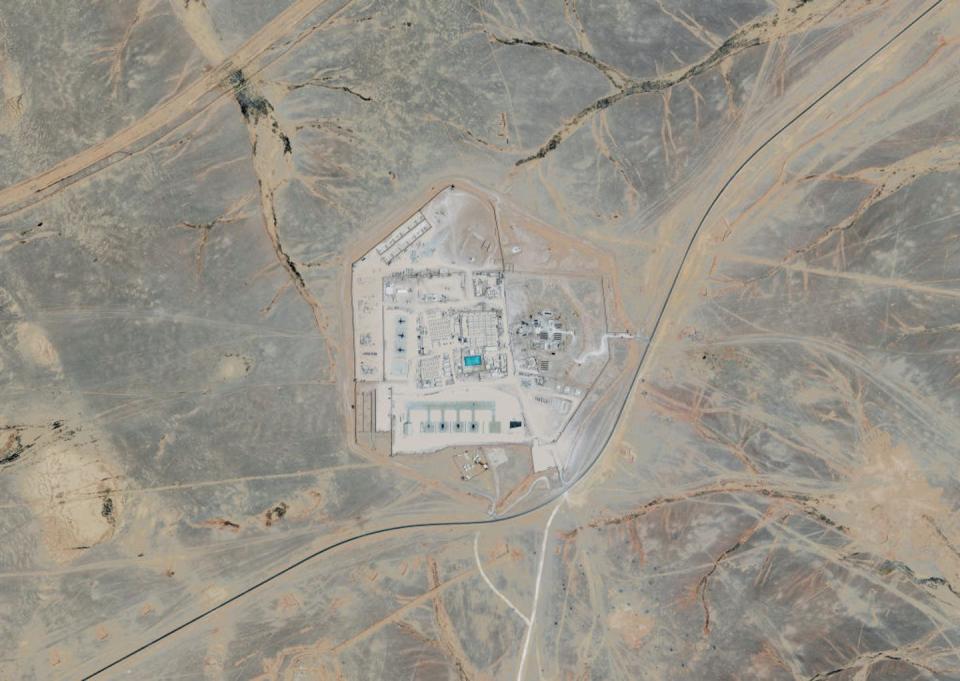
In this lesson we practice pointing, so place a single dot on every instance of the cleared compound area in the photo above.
(457, 345)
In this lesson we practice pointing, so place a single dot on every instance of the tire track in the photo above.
(164, 116)
(586, 470)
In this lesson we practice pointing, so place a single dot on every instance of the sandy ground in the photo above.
(770, 186)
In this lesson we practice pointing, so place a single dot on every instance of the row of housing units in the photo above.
(403, 237)
(460, 345)
(440, 285)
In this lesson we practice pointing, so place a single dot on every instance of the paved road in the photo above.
(586, 469)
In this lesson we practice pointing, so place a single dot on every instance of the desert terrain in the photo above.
(746, 215)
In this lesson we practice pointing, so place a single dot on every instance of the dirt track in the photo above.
(170, 113)
(778, 498)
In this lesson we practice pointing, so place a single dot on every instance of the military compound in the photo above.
(461, 338)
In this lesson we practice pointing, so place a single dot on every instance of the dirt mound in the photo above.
(68, 488)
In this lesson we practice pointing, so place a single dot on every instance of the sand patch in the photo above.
(66, 487)
(232, 367)
(11, 97)
(633, 627)
(34, 346)
(894, 512)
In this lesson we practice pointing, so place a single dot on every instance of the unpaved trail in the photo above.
(270, 149)
(271, 162)
(163, 116)
(536, 589)
(271, 157)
